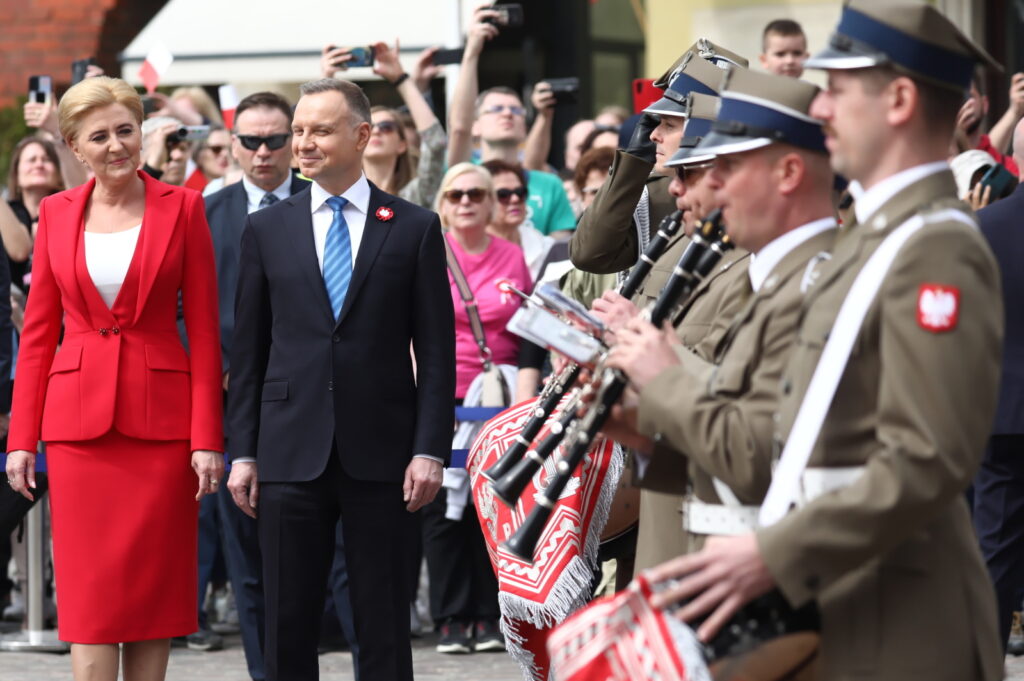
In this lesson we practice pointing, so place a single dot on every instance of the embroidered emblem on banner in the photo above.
(384, 214)
(938, 307)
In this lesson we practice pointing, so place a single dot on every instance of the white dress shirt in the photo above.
(762, 264)
(254, 194)
(358, 196)
(867, 202)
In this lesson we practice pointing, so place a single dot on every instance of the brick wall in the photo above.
(45, 36)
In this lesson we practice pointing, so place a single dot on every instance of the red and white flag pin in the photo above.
(384, 213)
(938, 307)
(228, 97)
(157, 61)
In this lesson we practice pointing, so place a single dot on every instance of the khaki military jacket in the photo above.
(605, 240)
(892, 559)
(719, 415)
(705, 316)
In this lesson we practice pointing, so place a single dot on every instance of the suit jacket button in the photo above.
(116, 330)
(103, 332)
(336, 338)
(330, 385)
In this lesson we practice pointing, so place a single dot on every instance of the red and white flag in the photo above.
(228, 97)
(157, 61)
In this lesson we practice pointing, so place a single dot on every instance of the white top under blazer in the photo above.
(108, 257)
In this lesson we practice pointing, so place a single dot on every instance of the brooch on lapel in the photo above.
(384, 213)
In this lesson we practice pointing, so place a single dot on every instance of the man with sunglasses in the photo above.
(261, 143)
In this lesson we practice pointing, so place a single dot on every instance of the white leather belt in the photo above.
(703, 518)
(817, 481)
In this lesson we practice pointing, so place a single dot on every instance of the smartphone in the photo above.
(510, 15)
(361, 56)
(644, 94)
(40, 88)
(1000, 179)
(78, 69)
(444, 57)
(564, 89)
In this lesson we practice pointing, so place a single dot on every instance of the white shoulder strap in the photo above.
(804, 434)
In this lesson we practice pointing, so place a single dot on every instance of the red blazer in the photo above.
(123, 367)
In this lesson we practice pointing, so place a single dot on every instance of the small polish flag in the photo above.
(155, 65)
(228, 97)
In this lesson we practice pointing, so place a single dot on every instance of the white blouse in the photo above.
(108, 257)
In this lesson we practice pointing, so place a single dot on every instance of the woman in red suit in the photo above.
(129, 418)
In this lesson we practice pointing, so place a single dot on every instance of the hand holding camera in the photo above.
(334, 59)
(543, 99)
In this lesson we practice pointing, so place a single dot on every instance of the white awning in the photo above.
(270, 41)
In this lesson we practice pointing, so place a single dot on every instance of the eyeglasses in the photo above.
(273, 142)
(385, 127)
(505, 195)
(217, 149)
(693, 170)
(476, 194)
(498, 108)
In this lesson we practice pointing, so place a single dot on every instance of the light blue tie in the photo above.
(337, 256)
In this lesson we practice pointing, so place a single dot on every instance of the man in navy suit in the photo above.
(999, 484)
(261, 143)
(335, 285)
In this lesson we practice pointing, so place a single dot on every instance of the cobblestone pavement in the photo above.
(229, 665)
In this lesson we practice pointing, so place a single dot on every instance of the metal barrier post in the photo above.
(35, 638)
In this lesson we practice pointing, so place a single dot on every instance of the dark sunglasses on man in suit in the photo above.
(273, 142)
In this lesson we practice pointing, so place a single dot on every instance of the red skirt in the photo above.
(125, 524)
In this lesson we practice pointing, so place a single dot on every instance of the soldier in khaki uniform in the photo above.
(872, 524)
(715, 418)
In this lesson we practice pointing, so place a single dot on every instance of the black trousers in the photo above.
(297, 523)
(462, 581)
(999, 521)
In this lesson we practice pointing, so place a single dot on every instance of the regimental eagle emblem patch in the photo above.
(384, 213)
(938, 307)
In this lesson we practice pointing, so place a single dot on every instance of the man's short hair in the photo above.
(266, 100)
(783, 27)
(498, 90)
(358, 103)
(939, 105)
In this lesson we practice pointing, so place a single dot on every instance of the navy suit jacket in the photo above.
(1002, 223)
(301, 380)
(226, 211)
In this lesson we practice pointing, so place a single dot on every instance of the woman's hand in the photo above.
(333, 59)
(385, 61)
(42, 117)
(209, 468)
(425, 69)
(979, 196)
(21, 472)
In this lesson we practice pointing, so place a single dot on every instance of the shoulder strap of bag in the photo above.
(469, 301)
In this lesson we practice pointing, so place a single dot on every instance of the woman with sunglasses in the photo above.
(388, 160)
(212, 159)
(510, 214)
(463, 588)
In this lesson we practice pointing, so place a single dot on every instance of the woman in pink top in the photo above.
(466, 204)
(463, 590)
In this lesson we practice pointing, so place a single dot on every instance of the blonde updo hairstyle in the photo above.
(94, 93)
(456, 171)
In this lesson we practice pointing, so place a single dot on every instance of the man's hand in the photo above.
(385, 61)
(157, 146)
(723, 577)
(21, 472)
(425, 70)
(243, 486)
(640, 144)
(209, 468)
(479, 32)
(614, 311)
(43, 117)
(543, 99)
(1017, 94)
(333, 59)
(422, 481)
(979, 196)
(969, 117)
(643, 351)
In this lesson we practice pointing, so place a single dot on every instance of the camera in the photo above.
(79, 68)
(510, 16)
(566, 90)
(188, 133)
(361, 56)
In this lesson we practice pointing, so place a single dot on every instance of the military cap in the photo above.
(913, 38)
(702, 109)
(705, 49)
(758, 109)
(695, 74)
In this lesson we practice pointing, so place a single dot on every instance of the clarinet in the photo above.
(700, 257)
(557, 388)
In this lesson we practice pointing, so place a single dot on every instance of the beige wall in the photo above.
(674, 25)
